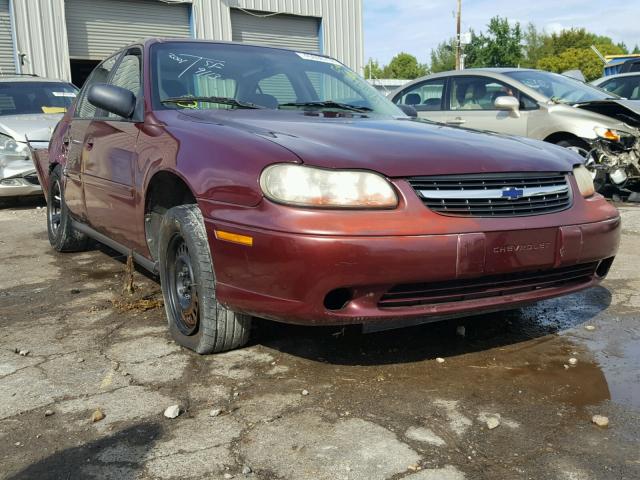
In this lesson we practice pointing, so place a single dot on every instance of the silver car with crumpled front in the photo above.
(601, 126)
(30, 108)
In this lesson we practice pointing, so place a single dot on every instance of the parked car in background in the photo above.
(30, 108)
(626, 85)
(266, 182)
(601, 126)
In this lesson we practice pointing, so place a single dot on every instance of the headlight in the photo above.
(10, 150)
(610, 134)
(584, 179)
(314, 187)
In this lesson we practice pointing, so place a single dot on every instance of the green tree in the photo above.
(443, 57)
(583, 59)
(499, 47)
(556, 43)
(636, 50)
(533, 45)
(405, 66)
(372, 69)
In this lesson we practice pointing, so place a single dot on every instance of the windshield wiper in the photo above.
(221, 100)
(328, 104)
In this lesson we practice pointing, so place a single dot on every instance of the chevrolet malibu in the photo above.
(277, 184)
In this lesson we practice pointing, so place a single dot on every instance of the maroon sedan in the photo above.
(273, 183)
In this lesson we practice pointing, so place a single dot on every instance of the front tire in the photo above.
(62, 236)
(196, 319)
(582, 149)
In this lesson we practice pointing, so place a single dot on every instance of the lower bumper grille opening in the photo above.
(415, 294)
(337, 299)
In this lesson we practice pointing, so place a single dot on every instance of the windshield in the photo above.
(228, 76)
(559, 88)
(23, 98)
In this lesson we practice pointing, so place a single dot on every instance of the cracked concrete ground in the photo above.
(379, 405)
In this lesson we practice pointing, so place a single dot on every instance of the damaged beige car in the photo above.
(602, 127)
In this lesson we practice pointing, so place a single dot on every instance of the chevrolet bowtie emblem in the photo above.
(512, 193)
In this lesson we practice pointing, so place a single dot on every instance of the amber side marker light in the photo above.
(234, 238)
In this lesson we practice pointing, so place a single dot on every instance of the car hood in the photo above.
(626, 111)
(394, 147)
(36, 127)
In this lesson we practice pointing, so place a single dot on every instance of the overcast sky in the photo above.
(417, 26)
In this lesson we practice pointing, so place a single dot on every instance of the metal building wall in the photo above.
(41, 30)
(41, 35)
(342, 35)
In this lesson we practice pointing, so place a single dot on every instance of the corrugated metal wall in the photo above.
(41, 28)
(287, 31)
(342, 35)
(41, 32)
(97, 28)
(7, 63)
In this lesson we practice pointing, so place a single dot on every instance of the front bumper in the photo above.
(20, 186)
(291, 277)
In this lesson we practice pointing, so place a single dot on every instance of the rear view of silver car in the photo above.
(30, 108)
(601, 126)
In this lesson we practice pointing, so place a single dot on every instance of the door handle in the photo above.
(88, 143)
(456, 121)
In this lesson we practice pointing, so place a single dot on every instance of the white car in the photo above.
(625, 85)
(30, 108)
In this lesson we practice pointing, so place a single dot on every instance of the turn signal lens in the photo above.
(607, 134)
(304, 186)
(584, 179)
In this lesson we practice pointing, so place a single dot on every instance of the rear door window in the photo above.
(426, 96)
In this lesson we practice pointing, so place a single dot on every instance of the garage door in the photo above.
(288, 31)
(96, 28)
(7, 63)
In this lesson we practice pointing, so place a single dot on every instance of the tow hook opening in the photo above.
(337, 299)
(603, 267)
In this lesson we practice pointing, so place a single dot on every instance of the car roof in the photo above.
(496, 73)
(618, 75)
(28, 78)
(146, 42)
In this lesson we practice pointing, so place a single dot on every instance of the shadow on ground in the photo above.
(348, 346)
(82, 462)
(22, 203)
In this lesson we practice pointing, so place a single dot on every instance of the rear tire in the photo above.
(62, 236)
(196, 319)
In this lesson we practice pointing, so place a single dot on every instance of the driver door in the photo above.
(74, 137)
(471, 104)
(109, 171)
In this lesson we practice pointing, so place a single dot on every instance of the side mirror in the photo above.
(507, 102)
(408, 110)
(117, 100)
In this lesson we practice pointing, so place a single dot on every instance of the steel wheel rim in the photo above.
(55, 207)
(183, 293)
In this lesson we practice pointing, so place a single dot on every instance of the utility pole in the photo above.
(458, 47)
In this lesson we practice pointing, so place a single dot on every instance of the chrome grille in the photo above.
(494, 195)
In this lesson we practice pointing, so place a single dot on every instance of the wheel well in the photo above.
(166, 190)
(560, 136)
